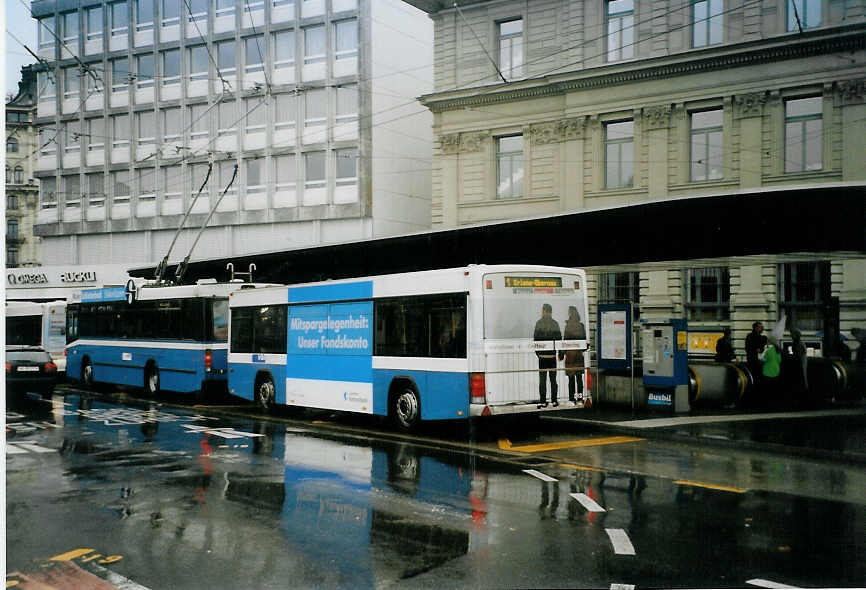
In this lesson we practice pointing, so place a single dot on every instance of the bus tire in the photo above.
(265, 392)
(87, 373)
(151, 379)
(406, 408)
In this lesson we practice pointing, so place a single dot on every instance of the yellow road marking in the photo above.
(580, 467)
(506, 445)
(70, 555)
(697, 484)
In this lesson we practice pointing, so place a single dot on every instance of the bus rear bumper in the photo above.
(476, 410)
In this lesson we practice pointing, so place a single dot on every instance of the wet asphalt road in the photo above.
(129, 495)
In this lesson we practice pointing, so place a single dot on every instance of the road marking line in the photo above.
(70, 555)
(506, 445)
(13, 450)
(622, 587)
(683, 420)
(118, 581)
(697, 484)
(539, 475)
(34, 448)
(620, 541)
(767, 584)
(588, 503)
(581, 467)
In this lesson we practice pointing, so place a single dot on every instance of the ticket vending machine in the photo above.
(665, 364)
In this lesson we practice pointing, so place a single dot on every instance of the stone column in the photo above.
(656, 121)
(748, 112)
(571, 155)
(656, 302)
(853, 95)
(449, 189)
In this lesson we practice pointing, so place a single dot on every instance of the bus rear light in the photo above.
(208, 360)
(50, 367)
(8, 367)
(477, 388)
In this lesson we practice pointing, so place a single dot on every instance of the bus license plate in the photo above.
(34, 369)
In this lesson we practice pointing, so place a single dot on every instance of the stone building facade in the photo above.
(551, 106)
(22, 192)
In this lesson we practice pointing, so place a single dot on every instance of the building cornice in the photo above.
(823, 42)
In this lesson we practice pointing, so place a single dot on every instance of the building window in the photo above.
(254, 57)
(146, 183)
(620, 288)
(198, 62)
(12, 228)
(315, 107)
(314, 44)
(284, 49)
(620, 29)
(346, 166)
(345, 39)
(143, 15)
(12, 202)
(72, 190)
(95, 190)
(256, 115)
(48, 193)
(11, 257)
(226, 58)
(347, 103)
(225, 8)
(19, 175)
(804, 137)
(145, 127)
(144, 70)
(510, 35)
(93, 18)
(197, 10)
(120, 130)
(171, 125)
(119, 19)
(198, 121)
(12, 145)
(47, 141)
(47, 86)
(619, 154)
(708, 294)
(46, 32)
(804, 290)
(226, 170)
(120, 75)
(509, 167)
(170, 67)
(314, 170)
(169, 180)
(285, 110)
(71, 30)
(71, 82)
(706, 145)
(804, 14)
(228, 118)
(170, 12)
(255, 176)
(285, 172)
(120, 184)
(707, 26)
(197, 175)
(72, 139)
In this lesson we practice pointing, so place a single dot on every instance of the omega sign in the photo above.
(30, 278)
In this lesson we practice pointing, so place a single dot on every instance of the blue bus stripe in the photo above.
(329, 293)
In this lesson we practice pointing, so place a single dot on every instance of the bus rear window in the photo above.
(24, 330)
(513, 304)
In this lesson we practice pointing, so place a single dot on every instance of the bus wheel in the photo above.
(87, 374)
(406, 409)
(265, 393)
(151, 380)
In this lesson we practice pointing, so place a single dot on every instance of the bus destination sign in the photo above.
(534, 282)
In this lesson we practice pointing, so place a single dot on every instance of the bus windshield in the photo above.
(513, 302)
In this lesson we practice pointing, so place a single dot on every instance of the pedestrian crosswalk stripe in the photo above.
(539, 475)
(767, 584)
(588, 503)
(621, 543)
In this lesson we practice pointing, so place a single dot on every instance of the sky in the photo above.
(19, 22)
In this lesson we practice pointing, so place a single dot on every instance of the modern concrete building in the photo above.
(300, 114)
(22, 193)
(554, 106)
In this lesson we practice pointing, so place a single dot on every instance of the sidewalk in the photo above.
(837, 434)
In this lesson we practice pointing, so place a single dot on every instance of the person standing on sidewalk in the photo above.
(574, 330)
(725, 348)
(755, 343)
(771, 370)
(547, 329)
(799, 378)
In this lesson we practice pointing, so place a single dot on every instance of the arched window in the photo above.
(12, 145)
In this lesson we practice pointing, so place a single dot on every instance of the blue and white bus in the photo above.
(431, 345)
(156, 337)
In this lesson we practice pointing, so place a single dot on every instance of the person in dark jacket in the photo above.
(725, 348)
(755, 343)
(799, 376)
(547, 329)
(574, 330)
